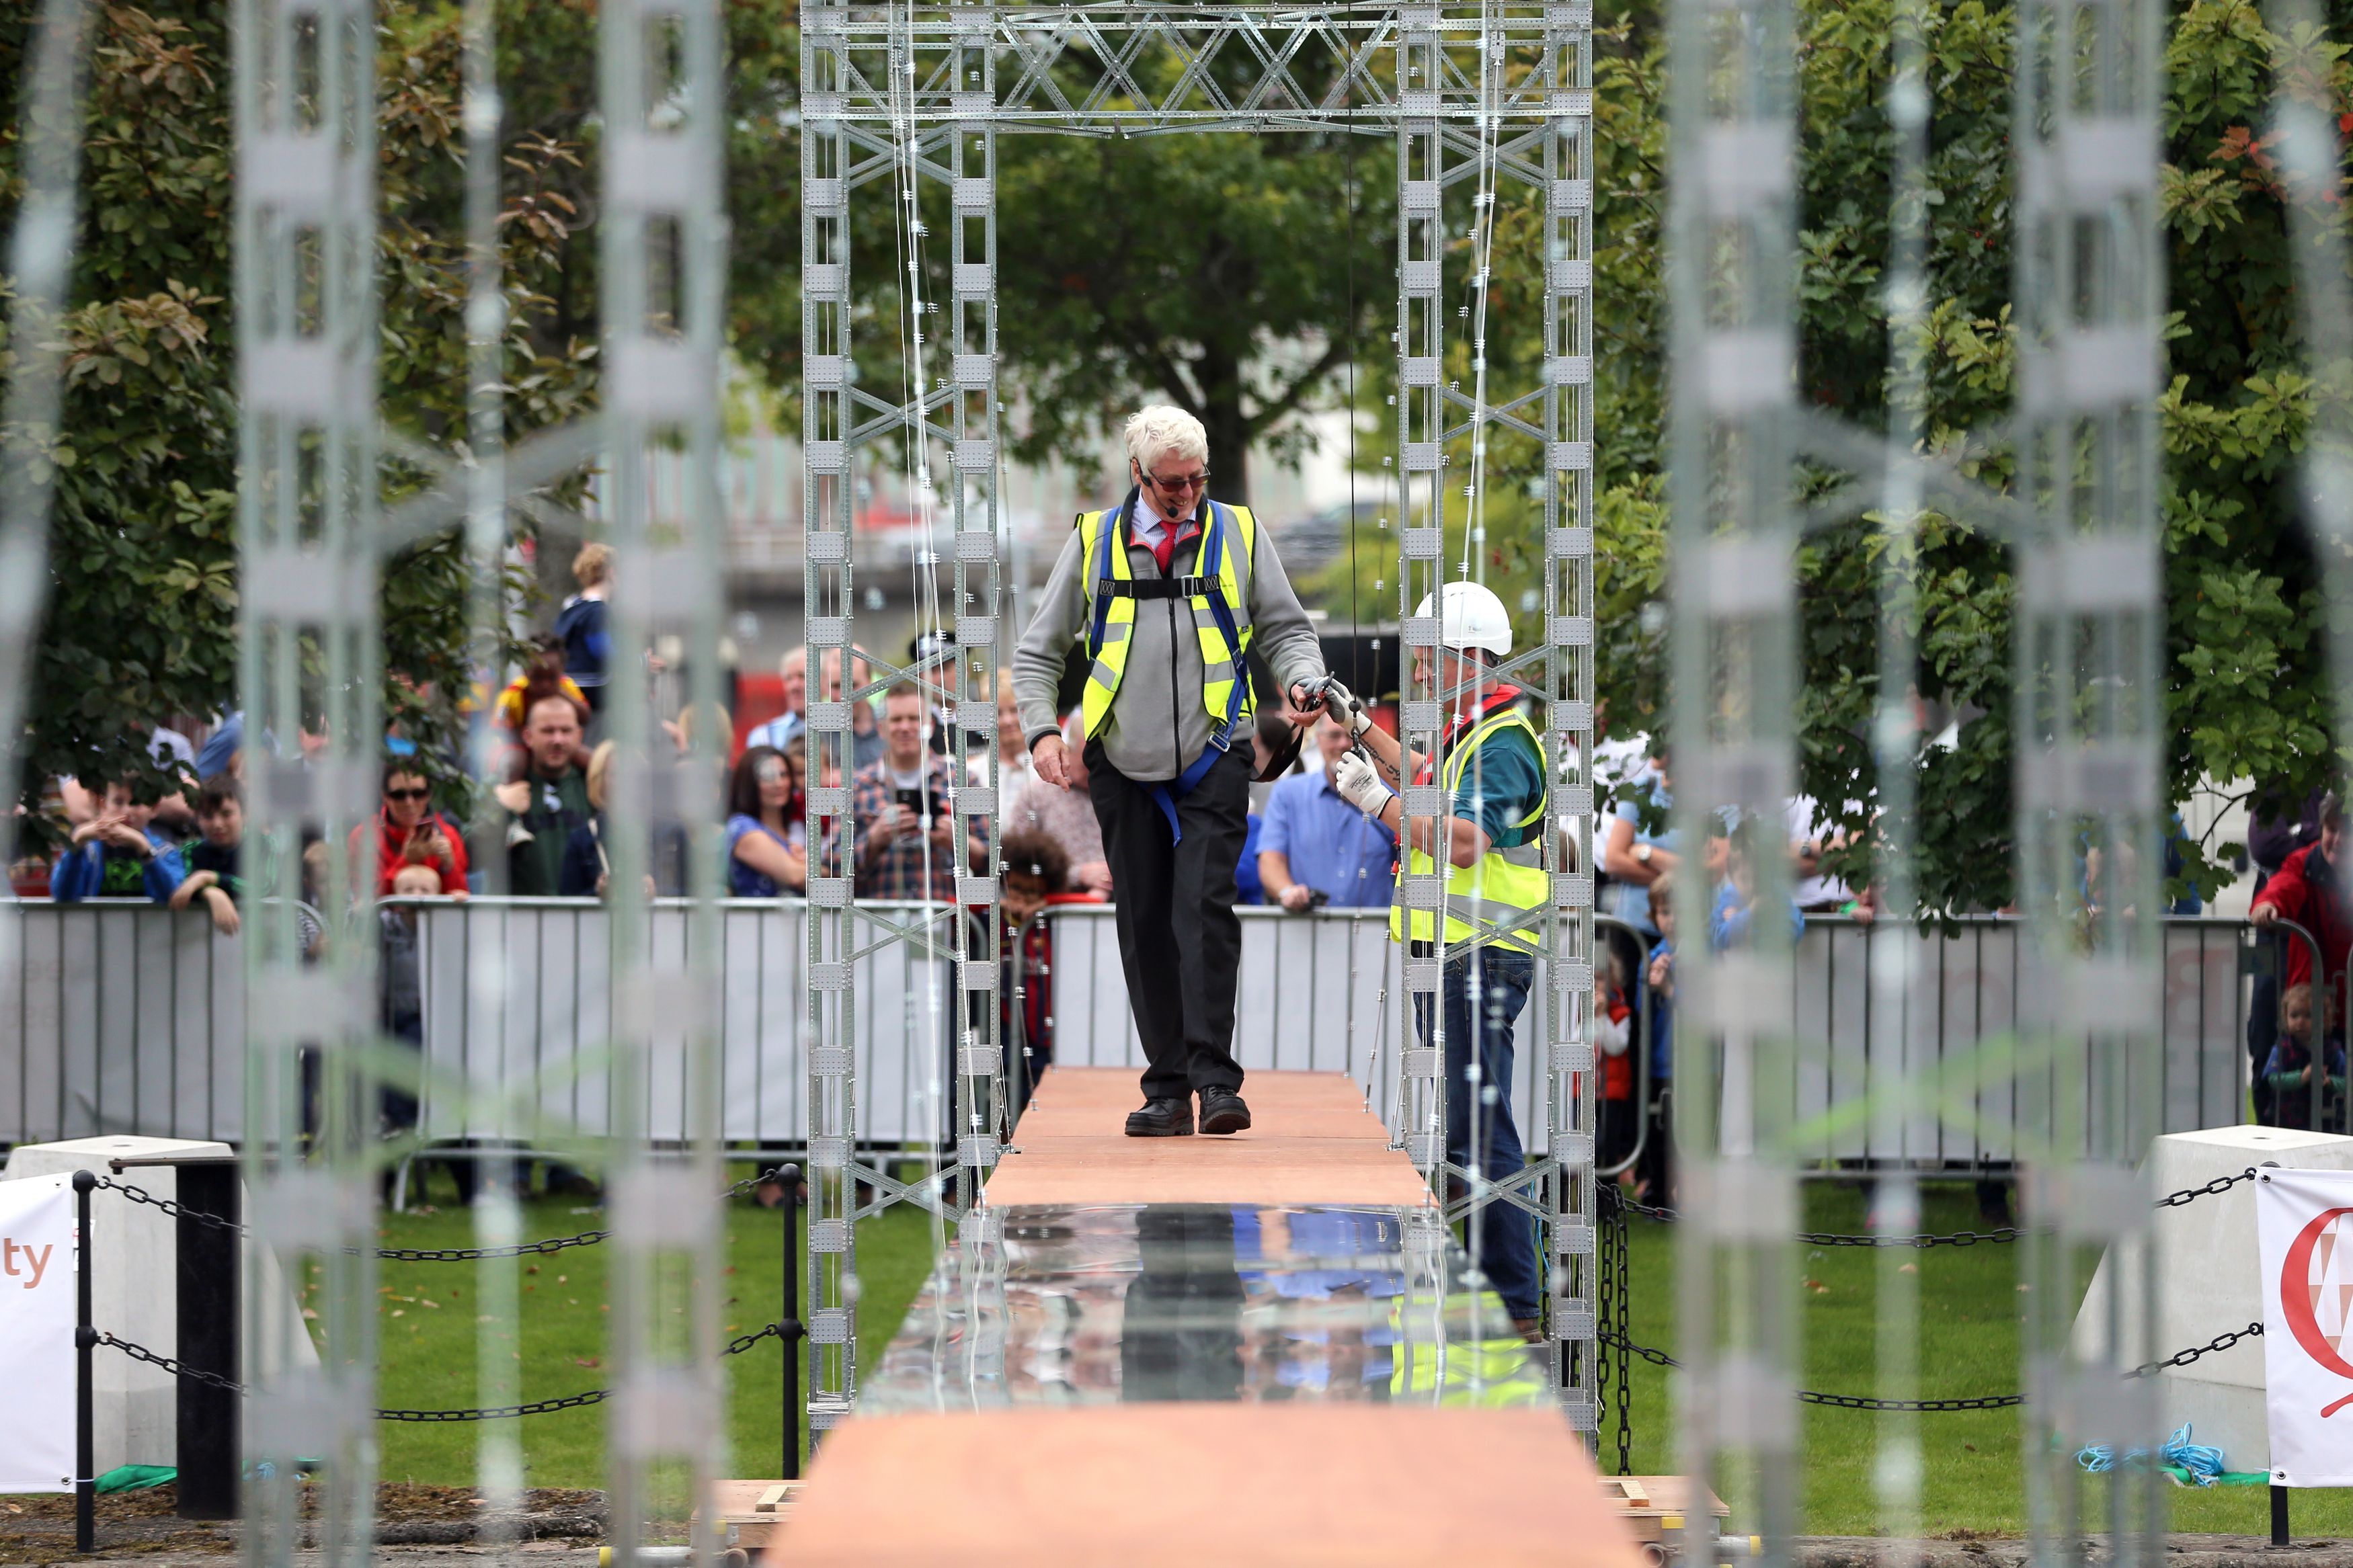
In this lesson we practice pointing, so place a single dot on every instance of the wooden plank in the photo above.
(1311, 1142)
(1174, 1485)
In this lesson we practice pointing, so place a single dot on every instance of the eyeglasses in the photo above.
(1180, 484)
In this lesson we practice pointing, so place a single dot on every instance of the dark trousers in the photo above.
(1181, 1327)
(1501, 978)
(1180, 943)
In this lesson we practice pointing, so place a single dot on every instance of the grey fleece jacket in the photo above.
(1157, 724)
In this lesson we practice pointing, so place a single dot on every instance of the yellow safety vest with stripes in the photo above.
(1217, 592)
(1500, 895)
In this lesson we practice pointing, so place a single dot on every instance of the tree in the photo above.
(1175, 266)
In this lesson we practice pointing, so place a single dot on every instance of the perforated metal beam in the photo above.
(309, 661)
(1733, 278)
(663, 258)
(2090, 289)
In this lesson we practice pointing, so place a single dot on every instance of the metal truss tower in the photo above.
(311, 656)
(1733, 362)
(1467, 90)
(662, 254)
(2089, 698)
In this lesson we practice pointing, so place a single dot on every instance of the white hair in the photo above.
(1155, 432)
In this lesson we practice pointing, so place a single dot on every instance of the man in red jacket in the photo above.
(2309, 890)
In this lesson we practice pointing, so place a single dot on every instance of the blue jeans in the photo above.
(1507, 1238)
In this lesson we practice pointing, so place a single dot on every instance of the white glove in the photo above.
(1360, 784)
(1345, 711)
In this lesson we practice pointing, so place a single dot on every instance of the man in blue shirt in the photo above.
(1315, 842)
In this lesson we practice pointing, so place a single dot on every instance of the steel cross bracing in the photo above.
(921, 93)
(1128, 70)
(309, 663)
(2088, 647)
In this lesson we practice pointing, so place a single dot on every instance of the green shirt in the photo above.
(1501, 784)
(535, 866)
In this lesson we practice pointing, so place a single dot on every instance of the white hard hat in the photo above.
(1474, 618)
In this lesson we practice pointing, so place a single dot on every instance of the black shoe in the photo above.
(1223, 1110)
(1161, 1118)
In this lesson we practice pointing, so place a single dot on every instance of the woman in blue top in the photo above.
(761, 863)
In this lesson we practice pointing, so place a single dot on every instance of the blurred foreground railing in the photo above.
(123, 1017)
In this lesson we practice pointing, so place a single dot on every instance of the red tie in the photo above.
(1166, 550)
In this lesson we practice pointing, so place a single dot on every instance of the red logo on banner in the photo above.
(2315, 1288)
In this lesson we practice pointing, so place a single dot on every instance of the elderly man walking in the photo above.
(1168, 591)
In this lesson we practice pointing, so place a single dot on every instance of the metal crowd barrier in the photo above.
(123, 1017)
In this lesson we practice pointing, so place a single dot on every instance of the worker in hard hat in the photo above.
(1168, 591)
(1490, 763)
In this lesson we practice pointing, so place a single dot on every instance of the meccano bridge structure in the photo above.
(907, 99)
(903, 102)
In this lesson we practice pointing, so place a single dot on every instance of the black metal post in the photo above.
(210, 1264)
(788, 1177)
(85, 1340)
(2279, 1516)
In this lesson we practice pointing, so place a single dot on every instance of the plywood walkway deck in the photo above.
(1363, 1484)
(1310, 1142)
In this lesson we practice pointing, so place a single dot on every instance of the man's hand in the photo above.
(895, 820)
(2262, 916)
(1345, 711)
(1053, 760)
(1294, 897)
(944, 831)
(1360, 784)
(1300, 714)
(1095, 876)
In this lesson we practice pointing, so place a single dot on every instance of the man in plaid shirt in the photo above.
(898, 847)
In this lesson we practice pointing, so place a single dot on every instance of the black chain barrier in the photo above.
(1614, 1290)
(787, 1331)
(1981, 1401)
(2183, 1358)
(2219, 1185)
(141, 1352)
(410, 1254)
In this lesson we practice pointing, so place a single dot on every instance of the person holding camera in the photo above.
(907, 838)
(1317, 849)
(1167, 592)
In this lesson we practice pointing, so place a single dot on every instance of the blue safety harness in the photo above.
(1211, 587)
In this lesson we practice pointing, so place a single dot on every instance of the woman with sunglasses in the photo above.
(761, 863)
(409, 832)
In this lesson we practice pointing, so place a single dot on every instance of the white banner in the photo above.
(37, 1334)
(2308, 1281)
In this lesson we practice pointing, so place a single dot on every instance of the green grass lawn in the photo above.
(1969, 1346)
(427, 1357)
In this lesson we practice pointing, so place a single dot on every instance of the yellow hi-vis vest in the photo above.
(1500, 894)
(1218, 594)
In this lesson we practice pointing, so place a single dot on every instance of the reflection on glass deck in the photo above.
(1099, 1304)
